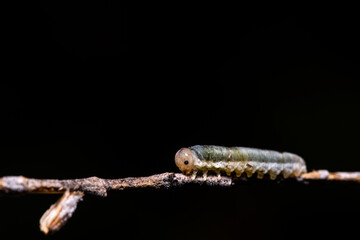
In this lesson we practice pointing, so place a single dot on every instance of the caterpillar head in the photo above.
(184, 160)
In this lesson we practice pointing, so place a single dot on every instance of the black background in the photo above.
(96, 89)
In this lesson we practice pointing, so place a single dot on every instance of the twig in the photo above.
(335, 176)
(99, 186)
(74, 189)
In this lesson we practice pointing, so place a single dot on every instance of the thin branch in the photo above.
(335, 176)
(74, 189)
(100, 187)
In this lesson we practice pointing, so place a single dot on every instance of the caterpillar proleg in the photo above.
(239, 160)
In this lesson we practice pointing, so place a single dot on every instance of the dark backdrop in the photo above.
(99, 90)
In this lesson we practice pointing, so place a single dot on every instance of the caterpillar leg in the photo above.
(260, 175)
(228, 173)
(250, 170)
(296, 173)
(193, 176)
(205, 172)
(218, 174)
(272, 175)
(238, 173)
(286, 173)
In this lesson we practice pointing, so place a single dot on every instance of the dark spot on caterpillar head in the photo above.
(186, 162)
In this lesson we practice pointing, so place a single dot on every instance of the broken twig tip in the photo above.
(60, 212)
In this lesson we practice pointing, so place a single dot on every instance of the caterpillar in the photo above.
(239, 160)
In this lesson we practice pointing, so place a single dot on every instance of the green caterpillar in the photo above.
(239, 160)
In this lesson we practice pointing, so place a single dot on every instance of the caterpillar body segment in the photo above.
(219, 159)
